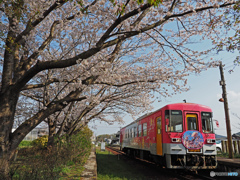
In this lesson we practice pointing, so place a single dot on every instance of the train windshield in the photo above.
(174, 121)
(207, 123)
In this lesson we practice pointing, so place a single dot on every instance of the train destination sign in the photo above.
(194, 150)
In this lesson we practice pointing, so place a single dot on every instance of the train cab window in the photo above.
(144, 129)
(207, 123)
(192, 122)
(139, 130)
(173, 121)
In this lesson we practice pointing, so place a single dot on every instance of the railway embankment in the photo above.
(228, 165)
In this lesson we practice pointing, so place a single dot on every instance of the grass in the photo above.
(25, 144)
(110, 168)
(226, 155)
(71, 171)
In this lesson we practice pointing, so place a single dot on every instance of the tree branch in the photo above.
(32, 97)
(31, 25)
(27, 63)
(33, 86)
(118, 21)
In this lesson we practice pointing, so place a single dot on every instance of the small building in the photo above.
(35, 133)
(115, 140)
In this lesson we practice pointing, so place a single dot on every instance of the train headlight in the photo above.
(176, 140)
(211, 141)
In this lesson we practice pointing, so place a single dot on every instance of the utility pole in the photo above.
(228, 126)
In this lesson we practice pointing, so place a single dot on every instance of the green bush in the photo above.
(77, 146)
(40, 142)
(53, 162)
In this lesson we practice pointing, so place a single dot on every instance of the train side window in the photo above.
(173, 121)
(132, 132)
(159, 125)
(139, 130)
(144, 129)
(135, 132)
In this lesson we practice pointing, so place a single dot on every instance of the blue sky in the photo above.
(205, 90)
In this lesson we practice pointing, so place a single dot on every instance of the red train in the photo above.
(176, 136)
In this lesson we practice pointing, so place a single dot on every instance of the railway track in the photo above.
(178, 174)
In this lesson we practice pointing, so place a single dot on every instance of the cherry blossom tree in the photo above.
(60, 52)
(230, 33)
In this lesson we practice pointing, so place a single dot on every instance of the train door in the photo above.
(191, 122)
(159, 135)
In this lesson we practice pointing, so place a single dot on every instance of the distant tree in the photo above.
(57, 52)
(102, 137)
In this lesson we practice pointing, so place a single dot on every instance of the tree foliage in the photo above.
(230, 40)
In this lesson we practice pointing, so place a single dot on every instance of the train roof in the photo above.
(187, 106)
(175, 106)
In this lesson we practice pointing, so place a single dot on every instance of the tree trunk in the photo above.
(7, 146)
(4, 169)
(5, 158)
(51, 131)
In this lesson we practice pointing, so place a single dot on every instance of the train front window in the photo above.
(192, 123)
(173, 121)
(207, 123)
